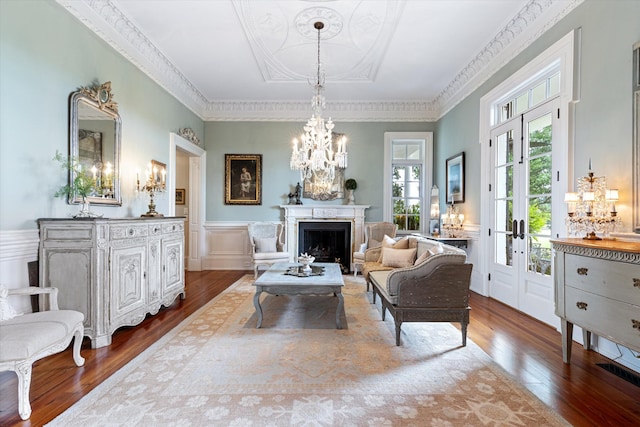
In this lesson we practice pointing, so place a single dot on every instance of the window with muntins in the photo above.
(407, 184)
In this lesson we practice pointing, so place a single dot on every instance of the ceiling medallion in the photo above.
(332, 22)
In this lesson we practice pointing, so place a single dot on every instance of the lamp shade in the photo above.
(570, 197)
(612, 195)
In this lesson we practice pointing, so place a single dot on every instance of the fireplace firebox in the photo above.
(327, 241)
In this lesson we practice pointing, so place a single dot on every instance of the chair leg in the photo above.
(398, 326)
(464, 333)
(255, 271)
(77, 343)
(23, 370)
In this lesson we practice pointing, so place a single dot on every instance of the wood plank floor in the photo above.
(583, 393)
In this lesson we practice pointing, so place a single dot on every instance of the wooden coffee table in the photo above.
(274, 281)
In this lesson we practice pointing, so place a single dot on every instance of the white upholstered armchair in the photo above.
(32, 336)
(373, 235)
(266, 245)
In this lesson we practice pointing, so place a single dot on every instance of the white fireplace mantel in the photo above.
(294, 214)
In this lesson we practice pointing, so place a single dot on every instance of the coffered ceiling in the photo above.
(394, 60)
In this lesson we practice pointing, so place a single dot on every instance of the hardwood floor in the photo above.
(583, 393)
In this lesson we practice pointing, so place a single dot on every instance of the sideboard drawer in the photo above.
(129, 231)
(612, 279)
(601, 315)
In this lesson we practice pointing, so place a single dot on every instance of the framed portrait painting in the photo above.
(455, 178)
(180, 192)
(243, 179)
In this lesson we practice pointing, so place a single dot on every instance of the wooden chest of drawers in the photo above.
(597, 287)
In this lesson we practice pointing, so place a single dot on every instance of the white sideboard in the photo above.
(597, 287)
(115, 271)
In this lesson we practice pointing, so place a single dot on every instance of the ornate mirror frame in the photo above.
(636, 137)
(97, 148)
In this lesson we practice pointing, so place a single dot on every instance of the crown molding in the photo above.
(109, 23)
(529, 24)
(398, 111)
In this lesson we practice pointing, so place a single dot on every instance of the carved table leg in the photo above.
(339, 309)
(586, 339)
(256, 304)
(567, 338)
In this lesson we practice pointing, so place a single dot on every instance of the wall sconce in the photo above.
(156, 173)
(592, 210)
(452, 222)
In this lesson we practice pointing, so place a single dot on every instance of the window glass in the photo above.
(539, 93)
(522, 103)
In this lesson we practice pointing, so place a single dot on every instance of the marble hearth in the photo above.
(295, 214)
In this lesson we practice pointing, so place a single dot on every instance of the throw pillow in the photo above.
(389, 242)
(266, 244)
(437, 249)
(422, 258)
(398, 257)
(402, 243)
(6, 311)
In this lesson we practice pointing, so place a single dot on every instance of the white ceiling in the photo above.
(384, 59)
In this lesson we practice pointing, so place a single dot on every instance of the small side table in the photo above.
(458, 242)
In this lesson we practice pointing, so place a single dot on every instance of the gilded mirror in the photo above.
(636, 137)
(94, 140)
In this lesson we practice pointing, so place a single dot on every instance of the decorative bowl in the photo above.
(306, 261)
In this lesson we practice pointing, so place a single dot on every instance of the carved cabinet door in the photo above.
(128, 290)
(172, 265)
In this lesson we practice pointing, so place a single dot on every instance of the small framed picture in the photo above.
(455, 178)
(180, 194)
(243, 179)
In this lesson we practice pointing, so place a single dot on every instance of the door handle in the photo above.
(515, 228)
(522, 229)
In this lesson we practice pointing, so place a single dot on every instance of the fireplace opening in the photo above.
(327, 241)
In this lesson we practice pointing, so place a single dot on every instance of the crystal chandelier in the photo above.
(314, 154)
(592, 208)
(452, 222)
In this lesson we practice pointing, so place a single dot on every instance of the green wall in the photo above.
(603, 122)
(45, 54)
(273, 141)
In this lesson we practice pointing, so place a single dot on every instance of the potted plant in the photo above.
(81, 183)
(350, 185)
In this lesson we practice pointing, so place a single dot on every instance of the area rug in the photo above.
(217, 369)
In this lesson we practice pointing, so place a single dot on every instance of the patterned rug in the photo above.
(217, 369)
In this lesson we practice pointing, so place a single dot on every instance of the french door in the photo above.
(521, 227)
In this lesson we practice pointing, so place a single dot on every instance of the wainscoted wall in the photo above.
(226, 246)
(17, 248)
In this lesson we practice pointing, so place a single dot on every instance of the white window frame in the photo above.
(426, 141)
(561, 55)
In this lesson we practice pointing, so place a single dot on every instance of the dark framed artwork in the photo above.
(90, 149)
(243, 179)
(455, 179)
(180, 194)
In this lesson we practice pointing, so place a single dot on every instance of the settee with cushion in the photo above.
(25, 338)
(425, 281)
